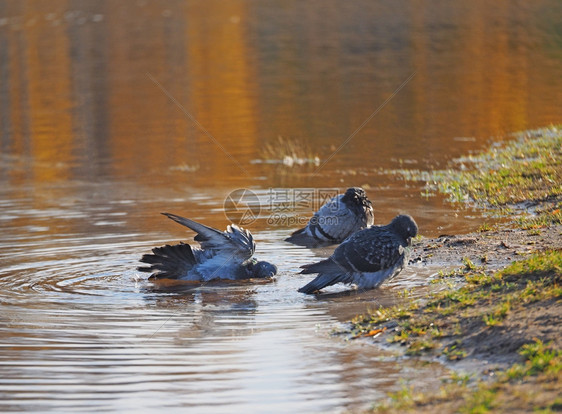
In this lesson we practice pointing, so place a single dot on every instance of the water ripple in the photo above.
(81, 328)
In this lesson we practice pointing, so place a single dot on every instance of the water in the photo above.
(112, 112)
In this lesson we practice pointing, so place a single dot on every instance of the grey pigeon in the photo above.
(336, 220)
(367, 258)
(223, 255)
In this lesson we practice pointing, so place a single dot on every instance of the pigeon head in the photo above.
(261, 269)
(405, 226)
(357, 196)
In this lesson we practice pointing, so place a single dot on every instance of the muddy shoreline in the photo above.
(495, 315)
(491, 251)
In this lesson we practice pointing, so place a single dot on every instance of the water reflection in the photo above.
(76, 92)
(111, 112)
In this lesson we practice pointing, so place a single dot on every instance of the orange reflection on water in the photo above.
(107, 89)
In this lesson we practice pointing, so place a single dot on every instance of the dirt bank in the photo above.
(490, 250)
(496, 314)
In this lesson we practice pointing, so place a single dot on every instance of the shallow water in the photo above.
(111, 113)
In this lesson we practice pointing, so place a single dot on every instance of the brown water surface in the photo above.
(112, 112)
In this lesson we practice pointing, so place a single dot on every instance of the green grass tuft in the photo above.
(510, 178)
(539, 358)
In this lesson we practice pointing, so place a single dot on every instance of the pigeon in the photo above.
(336, 220)
(367, 258)
(223, 255)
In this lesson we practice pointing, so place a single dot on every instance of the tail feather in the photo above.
(171, 262)
(300, 238)
(318, 283)
(329, 273)
(324, 266)
(323, 280)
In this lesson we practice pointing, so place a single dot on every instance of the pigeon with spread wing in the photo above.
(222, 255)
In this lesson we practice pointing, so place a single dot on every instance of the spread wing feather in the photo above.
(233, 243)
(171, 262)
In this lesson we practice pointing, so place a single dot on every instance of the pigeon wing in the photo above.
(172, 262)
(374, 251)
(370, 250)
(335, 221)
(234, 243)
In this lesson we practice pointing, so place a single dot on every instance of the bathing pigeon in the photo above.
(336, 220)
(223, 255)
(367, 258)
